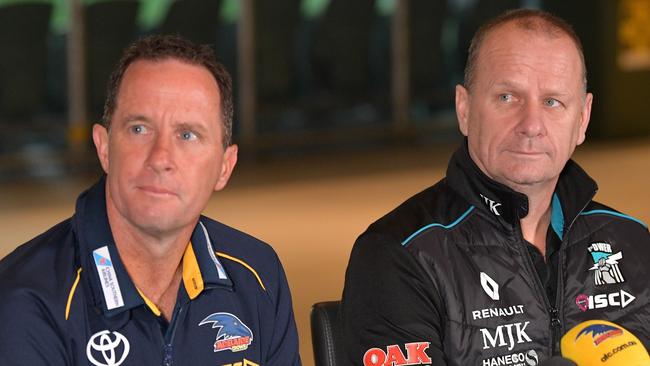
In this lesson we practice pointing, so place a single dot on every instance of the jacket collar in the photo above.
(574, 190)
(112, 289)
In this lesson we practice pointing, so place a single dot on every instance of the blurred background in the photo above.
(344, 108)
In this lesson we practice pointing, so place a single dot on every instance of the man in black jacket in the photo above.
(495, 262)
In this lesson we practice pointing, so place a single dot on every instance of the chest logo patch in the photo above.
(107, 348)
(233, 334)
(108, 278)
(606, 264)
(490, 286)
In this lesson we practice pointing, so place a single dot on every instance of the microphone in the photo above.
(599, 342)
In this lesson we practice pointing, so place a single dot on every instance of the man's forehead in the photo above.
(174, 64)
(169, 74)
(510, 48)
(529, 33)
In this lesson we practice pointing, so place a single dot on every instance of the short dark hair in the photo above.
(529, 19)
(163, 47)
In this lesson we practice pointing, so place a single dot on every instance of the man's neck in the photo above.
(153, 262)
(534, 226)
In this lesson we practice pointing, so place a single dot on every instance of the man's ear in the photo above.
(100, 138)
(462, 108)
(584, 118)
(227, 166)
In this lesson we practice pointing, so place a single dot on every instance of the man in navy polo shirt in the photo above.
(137, 276)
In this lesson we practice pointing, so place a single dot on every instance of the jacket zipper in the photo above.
(551, 310)
(559, 296)
(168, 354)
(559, 329)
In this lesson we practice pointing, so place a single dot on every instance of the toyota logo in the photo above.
(107, 345)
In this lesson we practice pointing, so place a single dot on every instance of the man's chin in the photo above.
(525, 180)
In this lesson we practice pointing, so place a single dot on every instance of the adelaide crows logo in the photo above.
(233, 334)
(600, 332)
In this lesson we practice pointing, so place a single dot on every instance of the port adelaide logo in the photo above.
(605, 268)
(233, 334)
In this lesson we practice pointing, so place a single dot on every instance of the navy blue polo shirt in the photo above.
(66, 299)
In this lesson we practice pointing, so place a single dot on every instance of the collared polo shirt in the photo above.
(68, 300)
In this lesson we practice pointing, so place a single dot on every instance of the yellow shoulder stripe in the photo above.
(243, 264)
(71, 294)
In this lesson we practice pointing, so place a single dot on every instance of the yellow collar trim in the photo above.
(150, 304)
(192, 278)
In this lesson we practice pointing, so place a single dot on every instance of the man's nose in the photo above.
(161, 154)
(531, 120)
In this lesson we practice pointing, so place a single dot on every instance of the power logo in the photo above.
(415, 355)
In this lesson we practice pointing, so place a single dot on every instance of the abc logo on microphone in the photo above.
(603, 343)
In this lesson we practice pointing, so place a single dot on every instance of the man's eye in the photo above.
(550, 102)
(188, 135)
(505, 97)
(138, 129)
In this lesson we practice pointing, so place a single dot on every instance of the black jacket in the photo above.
(447, 279)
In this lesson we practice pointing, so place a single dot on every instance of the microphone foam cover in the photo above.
(603, 343)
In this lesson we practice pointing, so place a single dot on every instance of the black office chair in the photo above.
(326, 333)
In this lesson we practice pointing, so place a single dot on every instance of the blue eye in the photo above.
(188, 135)
(138, 129)
(550, 102)
(505, 97)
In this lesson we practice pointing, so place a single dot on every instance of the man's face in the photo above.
(163, 155)
(526, 110)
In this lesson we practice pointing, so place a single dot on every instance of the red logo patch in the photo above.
(415, 355)
(233, 344)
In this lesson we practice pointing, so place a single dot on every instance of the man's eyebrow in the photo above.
(136, 117)
(189, 125)
(505, 84)
(508, 84)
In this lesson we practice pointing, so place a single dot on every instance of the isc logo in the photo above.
(600, 301)
(393, 356)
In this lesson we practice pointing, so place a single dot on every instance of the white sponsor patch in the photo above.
(107, 348)
(528, 358)
(498, 312)
(108, 279)
(490, 286)
(506, 335)
(600, 301)
(492, 205)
